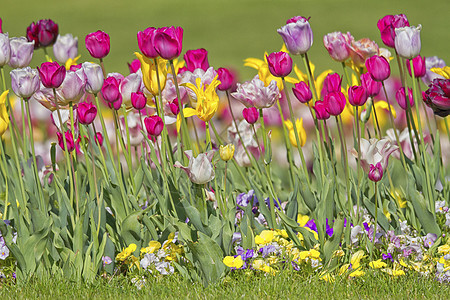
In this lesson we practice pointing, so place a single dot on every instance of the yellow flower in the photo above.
(4, 118)
(259, 264)
(178, 64)
(300, 130)
(444, 72)
(126, 252)
(357, 273)
(397, 195)
(226, 152)
(313, 254)
(282, 233)
(265, 237)
(302, 220)
(152, 247)
(394, 272)
(338, 253)
(149, 77)
(444, 249)
(72, 62)
(377, 264)
(356, 259)
(327, 277)
(233, 262)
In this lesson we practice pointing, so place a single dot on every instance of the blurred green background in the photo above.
(231, 30)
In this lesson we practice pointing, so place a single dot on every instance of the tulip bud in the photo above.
(168, 42)
(407, 41)
(400, 96)
(375, 172)
(297, 35)
(145, 42)
(25, 82)
(65, 47)
(99, 138)
(334, 103)
(200, 169)
(21, 52)
(52, 74)
(321, 111)
(337, 45)
(138, 100)
(226, 79)
(86, 113)
(69, 140)
(332, 83)
(418, 65)
(5, 49)
(154, 125)
(226, 152)
(196, 59)
(110, 90)
(280, 64)
(357, 95)
(94, 77)
(378, 68)
(372, 87)
(250, 115)
(98, 44)
(302, 92)
(174, 108)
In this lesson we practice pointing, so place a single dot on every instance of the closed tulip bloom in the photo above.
(52, 74)
(300, 130)
(200, 169)
(250, 114)
(174, 108)
(321, 110)
(116, 105)
(362, 50)
(357, 95)
(138, 100)
(335, 103)
(86, 112)
(94, 77)
(98, 44)
(21, 52)
(372, 87)
(99, 138)
(4, 117)
(69, 140)
(130, 84)
(196, 59)
(110, 90)
(407, 41)
(226, 152)
(168, 42)
(134, 66)
(154, 125)
(254, 94)
(332, 83)
(400, 96)
(5, 49)
(375, 172)
(337, 45)
(47, 32)
(32, 34)
(65, 47)
(387, 26)
(226, 79)
(419, 66)
(145, 42)
(378, 67)
(73, 86)
(438, 97)
(302, 92)
(280, 64)
(297, 35)
(25, 82)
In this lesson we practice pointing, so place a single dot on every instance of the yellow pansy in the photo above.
(444, 249)
(265, 237)
(357, 273)
(302, 220)
(149, 77)
(4, 118)
(356, 259)
(377, 264)
(233, 262)
(313, 254)
(152, 247)
(126, 252)
(259, 264)
(394, 272)
(300, 130)
(444, 72)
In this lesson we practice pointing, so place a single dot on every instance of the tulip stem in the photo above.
(358, 165)
(24, 129)
(103, 67)
(344, 155)
(424, 108)
(374, 235)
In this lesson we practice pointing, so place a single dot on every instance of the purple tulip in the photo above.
(5, 49)
(168, 42)
(154, 125)
(25, 82)
(280, 64)
(69, 140)
(378, 67)
(226, 79)
(47, 32)
(357, 95)
(110, 90)
(94, 77)
(21, 52)
(65, 47)
(52, 74)
(138, 100)
(321, 110)
(375, 172)
(400, 96)
(372, 87)
(196, 59)
(297, 35)
(145, 42)
(86, 112)
(387, 26)
(418, 65)
(438, 97)
(337, 45)
(407, 41)
(302, 92)
(32, 34)
(73, 86)
(250, 114)
(98, 44)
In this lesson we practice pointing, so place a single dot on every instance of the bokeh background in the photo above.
(231, 30)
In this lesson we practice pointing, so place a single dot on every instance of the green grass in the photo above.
(230, 30)
(285, 285)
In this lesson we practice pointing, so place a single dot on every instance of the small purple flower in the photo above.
(311, 225)
(248, 254)
(295, 266)
(266, 250)
(244, 199)
(429, 239)
(387, 256)
(366, 226)
(106, 260)
(329, 230)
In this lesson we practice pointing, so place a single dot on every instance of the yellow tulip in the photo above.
(4, 118)
(226, 152)
(300, 130)
(149, 77)
(444, 72)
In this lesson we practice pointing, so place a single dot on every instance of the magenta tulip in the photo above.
(99, 138)
(372, 87)
(134, 66)
(357, 95)
(43, 33)
(196, 59)
(86, 112)
(335, 103)
(168, 42)
(110, 90)
(280, 64)
(69, 140)
(154, 125)
(174, 108)
(418, 65)
(378, 67)
(226, 79)
(250, 114)
(375, 172)
(387, 26)
(138, 100)
(400, 96)
(145, 42)
(332, 83)
(321, 110)
(98, 44)
(438, 97)
(302, 92)
(52, 74)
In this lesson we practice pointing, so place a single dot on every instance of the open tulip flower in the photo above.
(200, 169)
(375, 151)
(254, 94)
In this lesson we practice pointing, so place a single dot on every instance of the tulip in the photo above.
(98, 44)
(145, 42)
(5, 49)
(337, 45)
(154, 125)
(65, 47)
(168, 42)
(400, 96)
(149, 76)
(321, 110)
(254, 94)
(47, 32)
(99, 138)
(250, 114)
(300, 130)
(73, 86)
(302, 92)
(357, 95)
(174, 107)
(130, 84)
(372, 87)
(335, 103)
(52, 74)
(387, 26)
(407, 41)
(69, 140)
(438, 97)
(226, 152)
(32, 34)
(94, 77)
(378, 68)
(116, 105)
(332, 83)
(280, 64)
(200, 169)
(196, 59)
(297, 35)
(110, 90)
(134, 66)
(375, 151)
(138, 100)
(4, 118)
(432, 62)
(226, 79)
(375, 172)
(362, 50)
(86, 112)
(419, 66)
(21, 52)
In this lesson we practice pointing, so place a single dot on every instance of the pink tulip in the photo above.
(335, 103)
(226, 79)
(375, 172)
(418, 65)
(337, 45)
(52, 74)
(302, 92)
(138, 100)
(134, 66)
(297, 35)
(168, 42)
(196, 59)
(372, 87)
(400, 96)
(357, 95)
(280, 64)
(145, 42)
(98, 44)
(69, 140)
(86, 112)
(250, 114)
(154, 125)
(332, 83)
(321, 110)
(378, 67)
(387, 26)
(110, 90)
